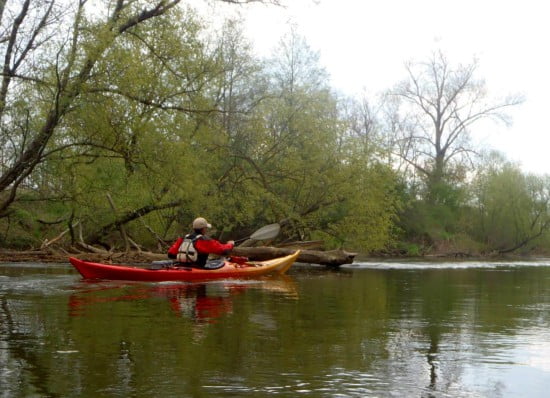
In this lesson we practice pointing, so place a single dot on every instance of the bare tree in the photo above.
(434, 110)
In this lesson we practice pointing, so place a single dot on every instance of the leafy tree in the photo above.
(238, 91)
(53, 52)
(513, 208)
(121, 101)
(131, 131)
(299, 148)
(316, 175)
(58, 80)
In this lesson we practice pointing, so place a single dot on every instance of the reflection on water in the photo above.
(200, 302)
(373, 329)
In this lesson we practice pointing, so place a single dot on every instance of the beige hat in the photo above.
(200, 223)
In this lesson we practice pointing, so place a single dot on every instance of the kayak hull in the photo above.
(91, 270)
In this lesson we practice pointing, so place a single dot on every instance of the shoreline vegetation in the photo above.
(144, 257)
(151, 115)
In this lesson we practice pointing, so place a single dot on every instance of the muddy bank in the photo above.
(38, 256)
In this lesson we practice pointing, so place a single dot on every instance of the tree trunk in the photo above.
(127, 217)
(332, 257)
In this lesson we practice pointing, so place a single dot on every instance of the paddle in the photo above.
(266, 232)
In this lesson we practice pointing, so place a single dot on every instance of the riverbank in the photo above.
(41, 256)
(135, 257)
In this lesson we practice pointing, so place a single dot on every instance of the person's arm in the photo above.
(213, 246)
(173, 251)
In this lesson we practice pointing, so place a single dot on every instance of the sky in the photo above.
(364, 45)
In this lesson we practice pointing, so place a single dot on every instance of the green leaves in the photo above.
(160, 114)
(513, 208)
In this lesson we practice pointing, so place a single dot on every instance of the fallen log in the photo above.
(331, 257)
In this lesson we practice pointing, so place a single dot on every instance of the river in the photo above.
(372, 329)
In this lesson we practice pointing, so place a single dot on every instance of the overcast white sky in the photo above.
(364, 44)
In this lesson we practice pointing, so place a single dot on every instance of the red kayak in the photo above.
(90, 270)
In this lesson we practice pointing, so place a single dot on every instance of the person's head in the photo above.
(201, 225)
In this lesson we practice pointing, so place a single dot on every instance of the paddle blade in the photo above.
(268, 232)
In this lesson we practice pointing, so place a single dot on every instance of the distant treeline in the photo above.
(119, 125)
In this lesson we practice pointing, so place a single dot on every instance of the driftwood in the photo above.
(88, 247)
(332, 257)
(47, 242)
(121, 227)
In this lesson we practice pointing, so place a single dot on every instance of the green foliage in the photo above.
(428, 223)
(512, 208)
(176, 117)
(410, 249)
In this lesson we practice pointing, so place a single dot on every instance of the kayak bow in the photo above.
(91, 270)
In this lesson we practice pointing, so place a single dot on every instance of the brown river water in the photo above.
(372, 329)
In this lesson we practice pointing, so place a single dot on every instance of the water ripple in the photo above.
(420, 265)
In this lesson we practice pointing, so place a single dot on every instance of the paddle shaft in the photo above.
(241, 240)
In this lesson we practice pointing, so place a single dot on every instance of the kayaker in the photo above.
(195, 247)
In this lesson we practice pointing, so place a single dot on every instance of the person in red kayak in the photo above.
(195, 247)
